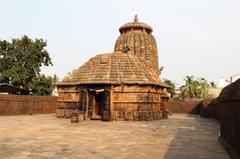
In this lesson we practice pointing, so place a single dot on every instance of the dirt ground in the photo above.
(45, 136)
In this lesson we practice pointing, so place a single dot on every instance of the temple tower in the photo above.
(121, 85)
(136, 38)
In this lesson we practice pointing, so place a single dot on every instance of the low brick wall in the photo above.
(20, 104)
(183, 107)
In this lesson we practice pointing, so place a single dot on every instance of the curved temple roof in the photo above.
(112, 68)
(134, 61)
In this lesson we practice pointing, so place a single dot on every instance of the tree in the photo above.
(21, 61)
(202, 89)
(189, 89)
(195, 88)
(42, 86)
(171, 90)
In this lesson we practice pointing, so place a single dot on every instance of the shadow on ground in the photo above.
(196, 138)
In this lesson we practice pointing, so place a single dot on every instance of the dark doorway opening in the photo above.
(99, 105)
(97, 108)
(96, 105)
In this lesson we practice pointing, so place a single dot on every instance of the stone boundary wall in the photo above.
(226, 109)
(21, 104)
(183, 107)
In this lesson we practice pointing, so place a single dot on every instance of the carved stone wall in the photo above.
(136, 103)
(138, 39)
(226, 109)
(69, 93)
(119, 102)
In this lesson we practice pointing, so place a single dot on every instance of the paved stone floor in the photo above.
(45, 136)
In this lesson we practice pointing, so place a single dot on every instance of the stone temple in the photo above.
(122, 85)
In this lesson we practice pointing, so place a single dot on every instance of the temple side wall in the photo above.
(126, 102)
(136, 103)
(69, 93)
(20, 104)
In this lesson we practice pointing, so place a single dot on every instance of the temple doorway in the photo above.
(98, 108)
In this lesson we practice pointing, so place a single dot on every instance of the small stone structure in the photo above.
(123, 85)
(75, 117)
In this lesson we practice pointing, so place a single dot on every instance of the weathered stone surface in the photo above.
(114, 68)
(21, 104)
(117, 102)
(138, 38)
(75, 117)
(117, 85)
(183, 107)
(226, 109)
(44, 136)
(60, 113)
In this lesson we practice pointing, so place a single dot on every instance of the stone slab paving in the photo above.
(45, 136)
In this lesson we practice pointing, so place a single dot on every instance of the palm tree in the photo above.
(195, 88)
(189, 89)
(203, 88)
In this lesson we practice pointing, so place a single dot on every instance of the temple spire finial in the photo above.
(135, 18)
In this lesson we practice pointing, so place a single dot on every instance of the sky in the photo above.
(199, 38)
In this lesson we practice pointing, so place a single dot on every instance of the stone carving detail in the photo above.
(138, 36)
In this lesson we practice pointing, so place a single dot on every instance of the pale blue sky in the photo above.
(194, 37)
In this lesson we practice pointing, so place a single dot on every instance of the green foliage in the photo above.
(189, 89)
(195, 88)
(42, 86)
(171, 90)
(21, 61)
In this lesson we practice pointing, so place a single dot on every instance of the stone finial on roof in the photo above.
(136, 18)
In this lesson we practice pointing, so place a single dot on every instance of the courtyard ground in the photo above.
(45, 136)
